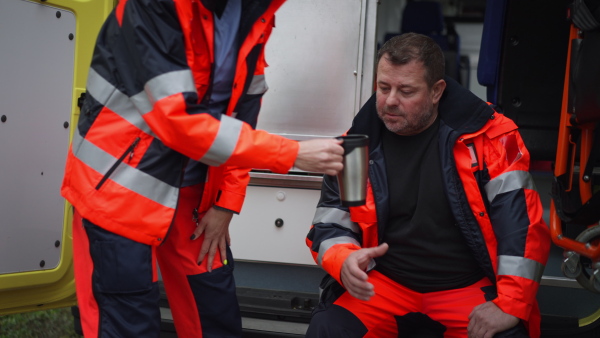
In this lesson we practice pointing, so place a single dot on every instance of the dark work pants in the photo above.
(117, 281)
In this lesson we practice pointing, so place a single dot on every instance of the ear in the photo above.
(437, 90)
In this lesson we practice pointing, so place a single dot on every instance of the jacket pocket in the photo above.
(128, 152)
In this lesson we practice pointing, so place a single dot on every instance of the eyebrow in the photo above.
(401, 85)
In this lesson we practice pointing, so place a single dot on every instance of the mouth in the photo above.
(393, 116)
(394, 112)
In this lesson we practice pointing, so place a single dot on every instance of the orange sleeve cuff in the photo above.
(512, 306)
(288, 152)
(334, 259)
(231, 201)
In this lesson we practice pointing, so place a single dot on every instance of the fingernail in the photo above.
(193, 237)
(225, 262)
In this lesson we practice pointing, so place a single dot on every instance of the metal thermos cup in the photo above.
(352, 180)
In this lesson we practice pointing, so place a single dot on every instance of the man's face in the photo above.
(405, 103)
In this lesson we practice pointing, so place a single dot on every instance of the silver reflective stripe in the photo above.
(167, 84)
(509, 181)
(125, 175)
(142, 103)
(77, 141)
(326, 244)
(110, 97)
(225, 142)
(520, 267)
(258, 85)
(163, 86)
(337, 216)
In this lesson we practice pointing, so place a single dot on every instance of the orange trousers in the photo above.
(398, 312)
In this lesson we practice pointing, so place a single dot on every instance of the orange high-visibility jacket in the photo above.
(485, 168)
(145, 115)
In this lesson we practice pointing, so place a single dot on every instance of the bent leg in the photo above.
(452, 307)
(341, 315)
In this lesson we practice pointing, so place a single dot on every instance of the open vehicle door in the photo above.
(46, 52)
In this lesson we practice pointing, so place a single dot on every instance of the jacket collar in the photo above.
(460, 109)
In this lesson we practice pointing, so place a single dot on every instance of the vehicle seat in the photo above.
(426, 17)
(491, 48)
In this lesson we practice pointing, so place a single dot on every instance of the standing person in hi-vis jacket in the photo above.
(160, 159)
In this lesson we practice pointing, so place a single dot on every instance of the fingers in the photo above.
(362, 292)
(336, 156)
(476, 328)
(355, 281)
(361, 289)
(211, 255)
(223, 249)
(378, 250)
(488, 319)
(215, 227)
(205, 244)
(333, 168)
(199, 230)
(353, 275)
(209, 250)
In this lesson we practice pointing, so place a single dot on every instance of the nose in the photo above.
(392, 98)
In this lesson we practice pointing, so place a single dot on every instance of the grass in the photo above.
(55, 323)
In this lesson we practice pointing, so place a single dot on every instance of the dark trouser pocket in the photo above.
(217, 302)
(120, 264)
(122, 283)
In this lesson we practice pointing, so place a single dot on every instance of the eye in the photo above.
(384, 89)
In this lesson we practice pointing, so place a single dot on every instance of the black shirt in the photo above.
(427, 251)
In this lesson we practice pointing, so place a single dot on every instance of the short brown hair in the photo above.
(402, 49)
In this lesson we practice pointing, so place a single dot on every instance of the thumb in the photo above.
(379, 250)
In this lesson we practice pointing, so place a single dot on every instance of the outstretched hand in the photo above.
(320, 155)
(354, 276)
(488, 319)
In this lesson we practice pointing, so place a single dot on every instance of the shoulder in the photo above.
(499, 125)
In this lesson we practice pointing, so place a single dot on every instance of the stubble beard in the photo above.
(405, 126)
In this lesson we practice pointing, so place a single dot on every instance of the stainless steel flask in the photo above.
(352, 180)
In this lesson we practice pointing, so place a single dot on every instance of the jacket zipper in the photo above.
(129, 152)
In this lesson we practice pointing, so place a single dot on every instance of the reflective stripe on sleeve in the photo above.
(161, 86)
(337, 216)
(258, 85)
(509, 181)
(125, 175)
(225, 142)
(520, 267)
(326, 244)
(167, 84)
(110, 97)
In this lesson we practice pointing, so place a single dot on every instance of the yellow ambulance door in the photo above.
(45, 52)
